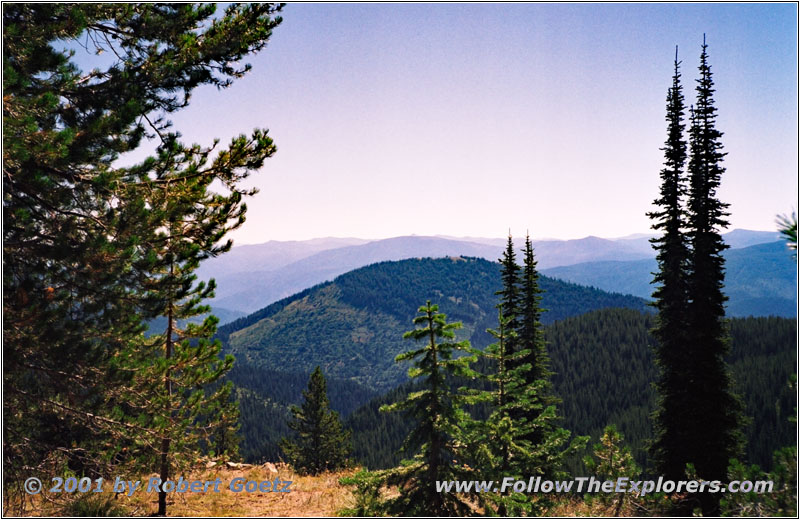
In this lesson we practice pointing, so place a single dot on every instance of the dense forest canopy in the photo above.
(603, 358)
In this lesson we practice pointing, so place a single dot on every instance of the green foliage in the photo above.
(531, 334)
(91, 250)
(520, 435)
(367, 494)
(265, 399)
(780, 501)
(510, 295)
(499, 445)
(437, 415)
(320, 443)
(612, 459)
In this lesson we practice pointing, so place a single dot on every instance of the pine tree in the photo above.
(612, 460)
(321, 443)
(190, 222)
(81, 246)
(713, 420)
(437, 412)
(670, 295)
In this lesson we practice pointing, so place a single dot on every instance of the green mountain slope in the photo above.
(604, 368)
(352, 327)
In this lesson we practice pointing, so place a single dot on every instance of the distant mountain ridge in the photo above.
(252, 276)
(269, 256)
(760, 280)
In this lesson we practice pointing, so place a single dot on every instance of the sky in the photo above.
(473, 119)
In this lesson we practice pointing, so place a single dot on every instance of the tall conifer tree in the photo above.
(714, 418)
(502, 445)
(672, 253)
(190, 223)
(510, 297)
(321, 443)
(531, 333)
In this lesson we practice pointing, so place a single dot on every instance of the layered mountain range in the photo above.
(760, 280)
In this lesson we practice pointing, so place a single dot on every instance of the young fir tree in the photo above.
(672, 253)
(321, 444)
(437, 412)
(713, 419)
(78, 230)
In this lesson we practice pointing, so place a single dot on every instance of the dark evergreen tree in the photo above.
(82, 248)
(510, 295)
(713, 420)
(436, 410)
(531, 335)
(531, 341)
(320, 444)
(670, 296)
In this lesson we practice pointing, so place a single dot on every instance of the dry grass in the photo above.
(316, 496)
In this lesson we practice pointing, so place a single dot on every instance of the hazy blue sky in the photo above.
(473, 119)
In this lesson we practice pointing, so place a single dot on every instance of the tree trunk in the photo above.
(164, 471)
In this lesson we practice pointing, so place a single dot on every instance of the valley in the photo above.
(599, 343)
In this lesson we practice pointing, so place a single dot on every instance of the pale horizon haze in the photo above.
(473, 119)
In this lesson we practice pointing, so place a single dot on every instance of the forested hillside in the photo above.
(352, 327)
(603, 366)
(265, 397)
